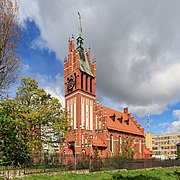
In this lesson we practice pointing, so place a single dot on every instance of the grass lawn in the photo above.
(153, 174)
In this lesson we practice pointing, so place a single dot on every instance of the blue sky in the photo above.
(136, 46)
(42, 61)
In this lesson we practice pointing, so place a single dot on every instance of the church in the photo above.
(94, 126)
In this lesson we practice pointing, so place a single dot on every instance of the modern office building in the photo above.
(163, 146)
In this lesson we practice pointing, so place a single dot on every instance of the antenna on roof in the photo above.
(148, 119)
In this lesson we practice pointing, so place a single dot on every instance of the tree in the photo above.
(127, 149)
(96, 162)
(178, 150)
(13, 147)
(10, 34)
(38, 113)
(13, 135)
(41, 110)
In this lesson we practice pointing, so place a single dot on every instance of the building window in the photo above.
(83, 153)
(91, 85)
(86, 83)
(111, 143)
(75, 80)
(119, 143)
(140, 146)
(81, 80)
(82, 139)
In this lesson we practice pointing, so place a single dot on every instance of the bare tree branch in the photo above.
(10, 35)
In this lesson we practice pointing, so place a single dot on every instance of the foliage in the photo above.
(96, 162)
(70, 165)
(139, 177)
(153, 174)
(41, 111)
(83, 164)
(13, 146)
(10, 35)
(37, 117)
(127, 149)
(178, 152)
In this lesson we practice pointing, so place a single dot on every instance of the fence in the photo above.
(79, 163)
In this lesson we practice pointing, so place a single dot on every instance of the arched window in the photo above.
(111, 143)
(83, 153)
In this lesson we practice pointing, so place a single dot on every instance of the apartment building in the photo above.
(163, 146)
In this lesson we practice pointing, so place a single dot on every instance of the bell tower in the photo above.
(80, 85)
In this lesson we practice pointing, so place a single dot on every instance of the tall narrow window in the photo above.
(83, 153)
(119, 143)
(91, 85)
(75, 80)
(81, 80)
(82, 139)
(139, 145)
(111, 143)
(86, 83)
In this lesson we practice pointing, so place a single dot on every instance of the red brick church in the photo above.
(93, 125)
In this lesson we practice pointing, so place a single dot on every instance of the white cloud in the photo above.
(175, 125)
(176, 114)
(164, 124)
(39, 43)
(136, 44)
(56, 89)
(26, 68)
(28, 10)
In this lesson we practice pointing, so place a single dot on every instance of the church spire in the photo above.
(80, 34)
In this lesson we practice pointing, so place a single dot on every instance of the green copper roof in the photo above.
(80, 33)
(84, 63)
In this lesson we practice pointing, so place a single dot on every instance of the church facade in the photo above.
(94, 126)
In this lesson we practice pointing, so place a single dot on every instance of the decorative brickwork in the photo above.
(93, 125)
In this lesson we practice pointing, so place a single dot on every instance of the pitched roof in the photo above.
(119, 121)
(147, 151)
(70, 137)
(84, 63)
(98, 142)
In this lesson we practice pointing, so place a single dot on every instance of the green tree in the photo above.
(127, 149)
(13, 136)
(178, 151)
(96, 162)
(41, 110)
(43, 116)
(10, 35)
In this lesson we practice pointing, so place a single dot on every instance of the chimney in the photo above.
(126, 110)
